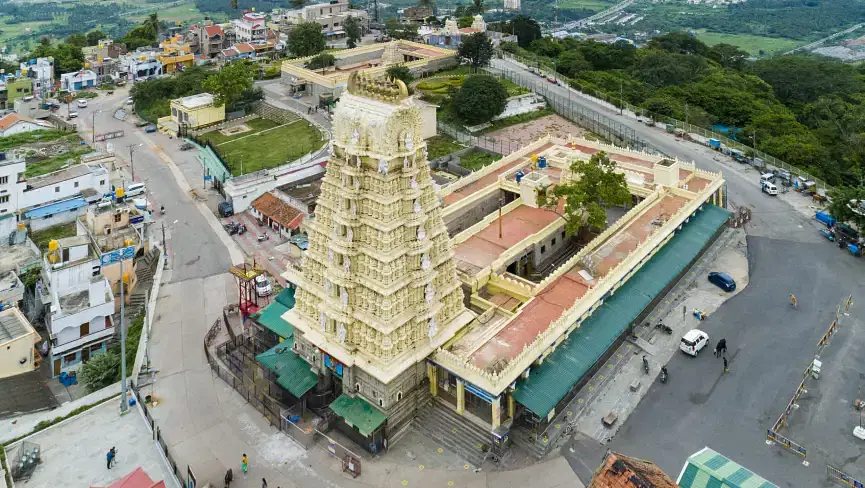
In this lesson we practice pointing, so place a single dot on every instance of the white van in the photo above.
(770, 188)
(134, 189)
(766, 178)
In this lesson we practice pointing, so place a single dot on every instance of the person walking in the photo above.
(263, 483)
(722, 347)
(244, 463)
(110, 457)
(725, 364)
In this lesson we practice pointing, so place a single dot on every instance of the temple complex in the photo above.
(468, 307)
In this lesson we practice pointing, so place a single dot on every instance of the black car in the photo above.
(225, 209)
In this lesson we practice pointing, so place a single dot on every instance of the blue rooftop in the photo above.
(56, 208)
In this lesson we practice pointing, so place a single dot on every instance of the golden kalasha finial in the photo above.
(384, 89)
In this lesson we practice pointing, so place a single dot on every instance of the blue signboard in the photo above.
(208, 177)
(116, 255)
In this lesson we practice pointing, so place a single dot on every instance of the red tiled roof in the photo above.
(229, 52)
(279, 211)
(468, 30)
(136, 479)
(12, 119)
(213, 30)
(244, 48)
(620, 471)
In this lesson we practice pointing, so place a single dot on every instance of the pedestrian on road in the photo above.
(110, 457)
(721, 348)
(725, 364)
(263, 483)
(244, 463)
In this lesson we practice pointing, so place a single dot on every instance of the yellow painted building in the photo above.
(176, 55)
(17, 340)
(196, 111)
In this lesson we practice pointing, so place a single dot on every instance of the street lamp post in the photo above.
(131, 162)
(123, 403)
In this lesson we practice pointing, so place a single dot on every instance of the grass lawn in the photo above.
(439, 146)
(181, 13)
(16, 140)
(254, 151)
(476, 160)
(257, 125)
(42, 237)
(54, 163)
(596, 5)
(752, 44)
(516, 119)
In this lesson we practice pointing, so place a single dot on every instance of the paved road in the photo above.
(771, 217)
(196, 251)
(769, 346)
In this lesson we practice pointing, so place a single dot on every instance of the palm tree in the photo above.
(152, 24)
(479, 7)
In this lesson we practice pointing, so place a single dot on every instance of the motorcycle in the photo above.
(663, 374)
(665, 328)
(645, 365)
(162, 210)
(241, 229)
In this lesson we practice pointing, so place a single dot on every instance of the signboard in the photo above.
(116, 255)
(208, 177)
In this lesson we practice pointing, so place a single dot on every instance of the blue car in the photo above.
(722, 281)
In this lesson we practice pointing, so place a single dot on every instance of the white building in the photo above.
(251, 27)
(16, 124)
(12, 184)
(138, 65)
(41, 71)
(63, 184)
(512, 4)
(80, 302)
(78, 80)
(331, 17)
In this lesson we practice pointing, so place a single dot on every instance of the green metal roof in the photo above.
(707, 469)
(293, 373)
(271, 318)
(548, 383)
(359, 413)
(286, 297)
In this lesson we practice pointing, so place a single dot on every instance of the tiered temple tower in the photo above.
(378, 290)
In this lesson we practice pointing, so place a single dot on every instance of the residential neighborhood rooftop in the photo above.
(69, 173)
(196, 101)
(13, 325)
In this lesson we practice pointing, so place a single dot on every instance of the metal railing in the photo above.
(642, 113)
(178, 472)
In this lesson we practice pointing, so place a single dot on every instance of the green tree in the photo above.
(476, 50)
(433, 20)
(94, 36)
(480, 98)
(572, 63)
(397, 30)
(661, 69)
(320, 61)
(525, 28)
(679, 43)
(588, 197)
(729, 56)
(306, 39)
(546, 46)
(100, 371)
(298, 3)
(802, 78)
(465, 21)
(840, 205)
(77, 40)
(353, 31)
(400, 72)
(229, 84)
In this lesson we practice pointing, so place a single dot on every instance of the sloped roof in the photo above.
(293, 373)
(136, 479)
(620, 471)
(271, 318)
(706, 468)
(278, 210)
(229, 52)
(12, 119)
(359, 413)
(213, 30)
(244, 48)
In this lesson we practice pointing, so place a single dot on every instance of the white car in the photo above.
(693, 342)
(72, 115)
(82, 102)
(262, 286)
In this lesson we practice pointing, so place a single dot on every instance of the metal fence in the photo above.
(839, 476)
(182, 475)
(617, 101)
(566, 105)
(500, 146)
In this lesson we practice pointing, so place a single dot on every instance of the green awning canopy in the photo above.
(548, 383)
(359, 413)
(707, 469)
(286, 297)
(293, 373)
(271, 318)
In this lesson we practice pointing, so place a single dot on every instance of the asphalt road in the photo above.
(195, 251)
(769, 345)
(770, 216)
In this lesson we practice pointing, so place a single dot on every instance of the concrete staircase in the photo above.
(453, 431)
(145, 268)
(528, 442)
(276, 114)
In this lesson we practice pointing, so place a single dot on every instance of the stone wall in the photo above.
(472, 214)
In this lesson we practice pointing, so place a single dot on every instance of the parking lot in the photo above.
(769, 346)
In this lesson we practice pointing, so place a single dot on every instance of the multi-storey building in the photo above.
(17, 344)
(211, 40)
(251, 27)
(41, 72)
(140, 64)
(12, 184)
